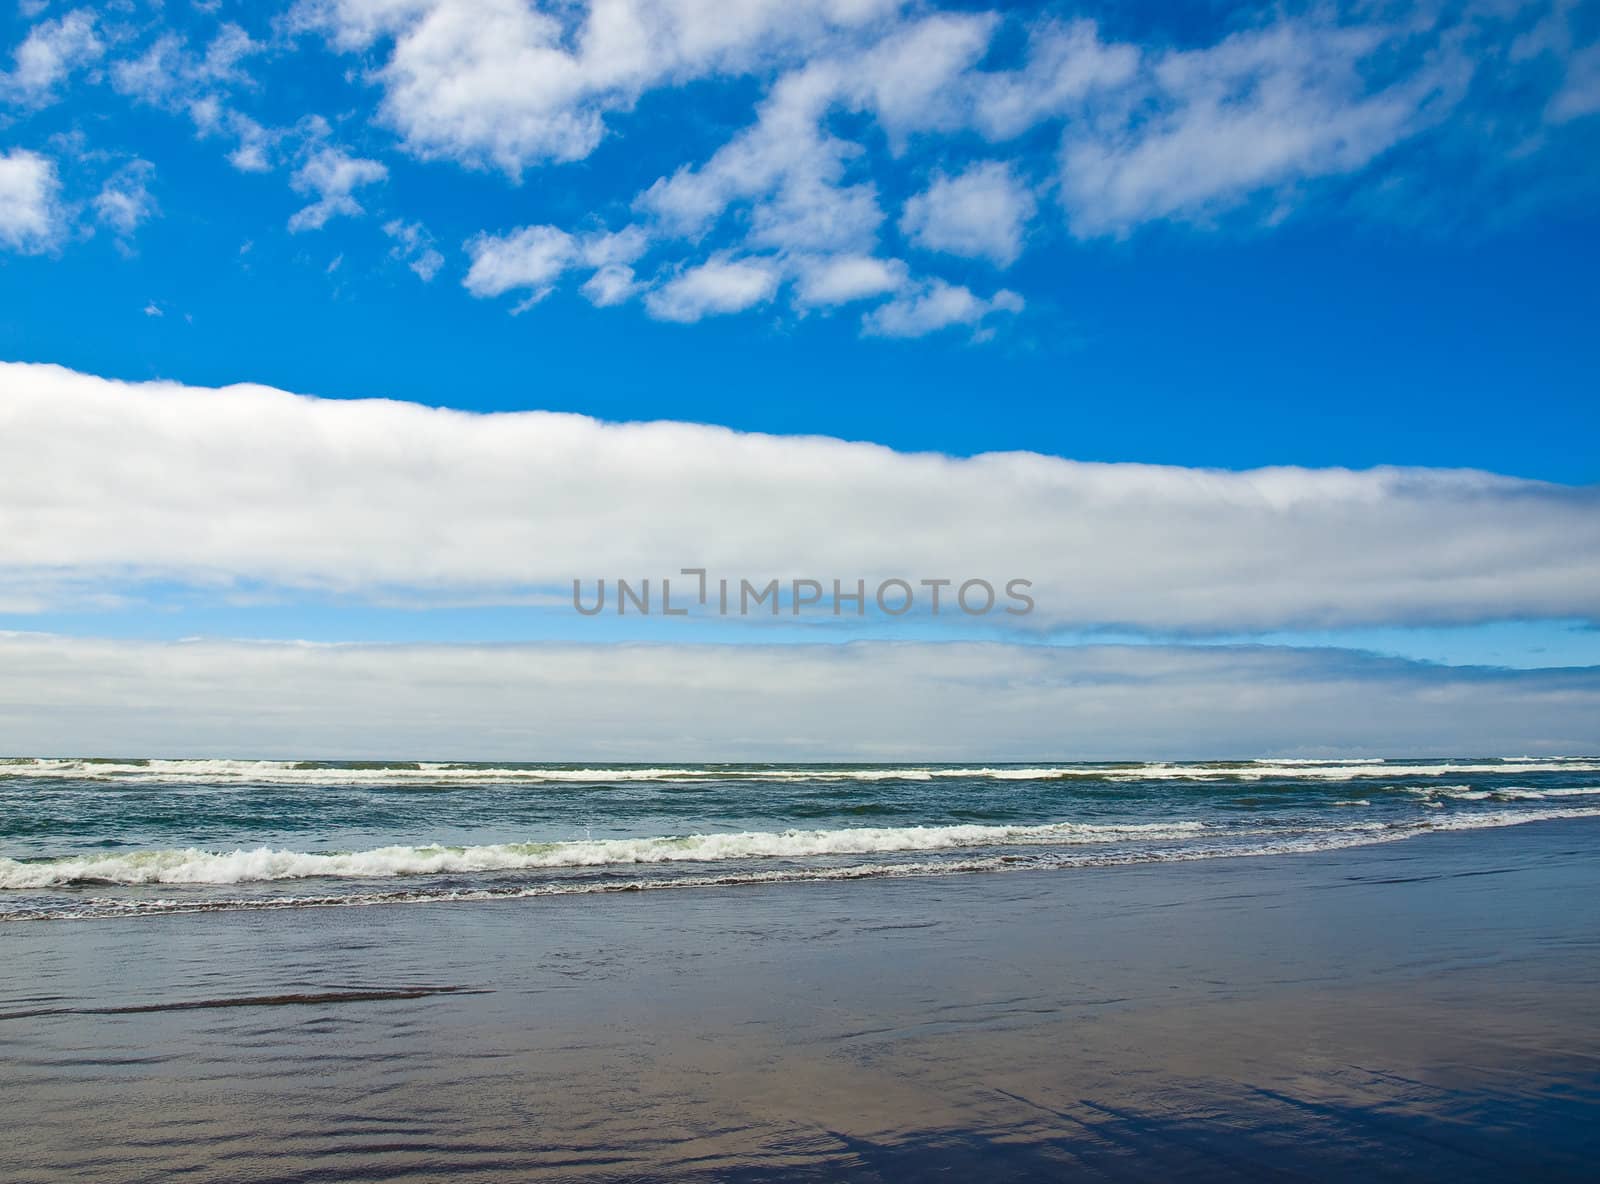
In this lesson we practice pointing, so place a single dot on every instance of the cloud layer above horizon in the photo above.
(881, 159)
(247, 490)
(865, 701)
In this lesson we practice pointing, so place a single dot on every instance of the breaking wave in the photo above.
(1361, 835)
(1141, 842)
(194, 866)
(223, 772)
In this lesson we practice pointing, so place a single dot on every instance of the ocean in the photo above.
(105, 838)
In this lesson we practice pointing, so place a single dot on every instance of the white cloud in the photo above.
(792, 170)
(1205, 130)
(719, 285)
(254, 144)
(31, 219)
(250, 484)
(124, 201)
(170, 73)
(1146, 133)
(912, 79)
(49, 54)
(787, 166)
(852, 95)
(612, 284)
(333, 176)
(1578, 92)
(1066, 65)
(504, 83)
(863, 701)
(843, 279)
(413, 246)
(173, 77)
(981, 213)
(936, 305)
(533, 258)
(1580, 89)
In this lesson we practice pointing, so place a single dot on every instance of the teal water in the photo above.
(94, 838)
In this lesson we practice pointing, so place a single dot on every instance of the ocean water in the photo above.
(126, 838)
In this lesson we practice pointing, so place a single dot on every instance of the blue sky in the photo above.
(1201, 236)
(1393, 312)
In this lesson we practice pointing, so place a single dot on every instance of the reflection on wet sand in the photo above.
(1390, 1013)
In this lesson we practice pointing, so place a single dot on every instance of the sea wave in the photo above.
(1508, 793)
(192, 865)
(1305, 843)
(1137, 842)
(225, 772)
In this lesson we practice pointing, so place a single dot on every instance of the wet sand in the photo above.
(1421, 1010)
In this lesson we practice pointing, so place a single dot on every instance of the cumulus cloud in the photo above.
(786, 166)
(613, 283)
(31, 219)
(504, 83)
(124, 202)
(855, 97)
(171, 72)
(413, 246)
(843, 279)
(333, 176)
(720, 285)
(49, 54)
(173, 76)
(981, 213)
(1203, 131)
(533, 258)
(1580, 89)
(1066, 64)
(862, 701)
(790, 169)
(254, 485)
(1552, 38)
(1149, 135)
(936, 305)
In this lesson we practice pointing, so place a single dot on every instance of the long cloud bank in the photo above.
(106, 484)
(862, 701)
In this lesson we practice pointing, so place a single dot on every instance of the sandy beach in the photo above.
(850, 591)
(1420, 1010)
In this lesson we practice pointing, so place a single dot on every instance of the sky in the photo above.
(1255, 340)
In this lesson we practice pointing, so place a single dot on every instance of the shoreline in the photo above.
(1210, 1020)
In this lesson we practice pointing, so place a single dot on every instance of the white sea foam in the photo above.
(1291, 761)
(1509, 793)
(1518, 793)
(224, 772)
(1350, 772)
(1361, 835)
(194, 866)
